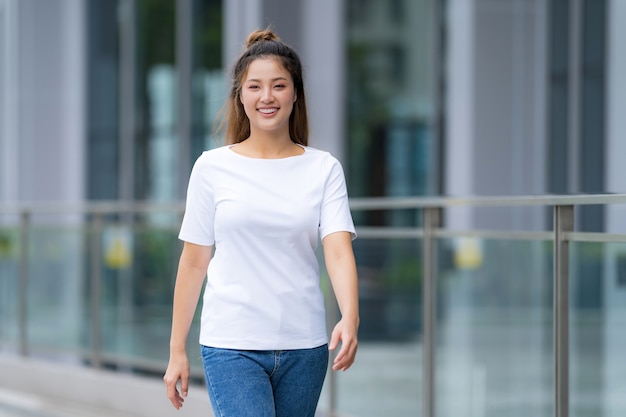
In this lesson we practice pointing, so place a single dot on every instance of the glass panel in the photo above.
(494, 338)
(139, 269)
(597, 323)
(9, 275)
(494, 346)
(391, 98)
(56, 292)
(385, 379)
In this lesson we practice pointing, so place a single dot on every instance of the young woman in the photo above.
(263, 201)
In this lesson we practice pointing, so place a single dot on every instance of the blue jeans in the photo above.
(267, 383)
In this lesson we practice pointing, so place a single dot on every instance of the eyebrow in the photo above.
(256, 80)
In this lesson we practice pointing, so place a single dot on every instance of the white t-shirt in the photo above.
(265, 218)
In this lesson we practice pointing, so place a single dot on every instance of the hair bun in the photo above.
(261, 36)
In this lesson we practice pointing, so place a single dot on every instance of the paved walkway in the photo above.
(32, 388)
(20, 404)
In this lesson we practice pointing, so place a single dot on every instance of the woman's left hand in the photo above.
(345, 332)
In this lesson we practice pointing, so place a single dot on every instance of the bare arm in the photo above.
(192, 268)
(341, 267)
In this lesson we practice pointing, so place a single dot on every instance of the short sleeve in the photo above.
(335, 210)
(198, 221)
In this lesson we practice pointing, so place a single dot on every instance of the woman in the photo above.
(263, 201)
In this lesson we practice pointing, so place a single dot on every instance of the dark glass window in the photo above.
(559, 97)
(102, 101)
(593, 97)
(397, 10)
(391, 110)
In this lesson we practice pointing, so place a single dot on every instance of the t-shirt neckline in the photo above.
(229, 147)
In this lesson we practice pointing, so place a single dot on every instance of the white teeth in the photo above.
(267, 111)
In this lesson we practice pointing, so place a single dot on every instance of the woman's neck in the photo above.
(268, 147)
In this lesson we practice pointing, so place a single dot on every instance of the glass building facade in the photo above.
(415, 97)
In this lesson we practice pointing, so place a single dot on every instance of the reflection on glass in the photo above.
(209, 86)
(392, 152)
(494, 338)
(56, 308)
(156, 146)
(136, 42)
(391, 99)
(137, 296)
(134, 45)
(597, 336)
(385, 379)
(9, 273)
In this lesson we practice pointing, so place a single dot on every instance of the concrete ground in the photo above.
(32, 388)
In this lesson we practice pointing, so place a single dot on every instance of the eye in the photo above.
(280, 86)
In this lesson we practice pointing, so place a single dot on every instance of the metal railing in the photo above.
(563, 233)
(96, 215)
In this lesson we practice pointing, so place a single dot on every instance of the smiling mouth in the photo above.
(268, 111)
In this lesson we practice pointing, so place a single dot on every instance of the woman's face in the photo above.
(267, 95)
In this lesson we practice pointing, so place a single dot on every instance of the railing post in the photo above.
(432, 220)
(563, 223)
(22, 286)
(96, 286)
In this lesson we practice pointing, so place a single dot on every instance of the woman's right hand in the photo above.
(177, 370)
(192, 268)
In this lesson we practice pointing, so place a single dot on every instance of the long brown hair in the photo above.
(264, 44)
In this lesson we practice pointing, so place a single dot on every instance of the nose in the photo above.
(266, 95)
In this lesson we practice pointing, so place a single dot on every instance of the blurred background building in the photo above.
(107, 99)
(113, 100)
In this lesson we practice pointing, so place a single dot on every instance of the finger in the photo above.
(184, 386)
(342, 337)
(346, 355)
(344, 364)
(340, 359)
(341, 353)
(334, 340)
(172, 392)
(174, 397)
(177, 401)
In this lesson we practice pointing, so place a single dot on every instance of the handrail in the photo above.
(91, 207)
(382, 203)
(356, 203)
